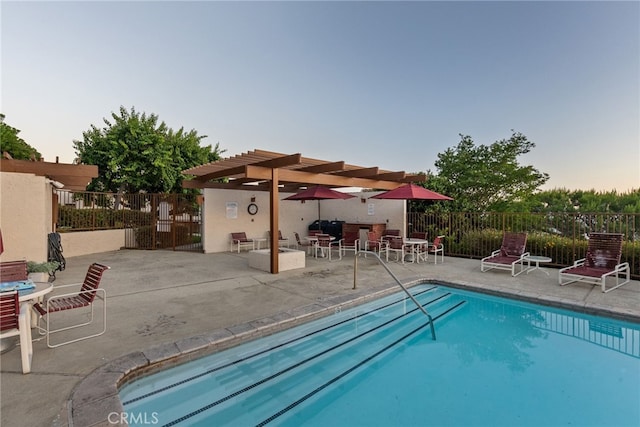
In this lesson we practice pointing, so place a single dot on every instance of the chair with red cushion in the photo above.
(511, 253)
(84, 298)
(397, 246)
(435, 248)
(373, 243)
(240, 240)
(602, 260)
(350, 242)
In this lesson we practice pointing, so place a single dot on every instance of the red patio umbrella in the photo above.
(411, 192)
(318, 193)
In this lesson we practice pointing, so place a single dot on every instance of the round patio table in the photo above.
(536, 260)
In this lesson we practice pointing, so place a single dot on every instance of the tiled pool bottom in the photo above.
(538, 363)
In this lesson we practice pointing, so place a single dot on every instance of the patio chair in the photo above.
(240, 240)
(602, 260)
(325, 246)
(301, 244)
(373, 243)
(81, 299)
(14, 321)
(281, 240)
(511, 253)
(435, 248)
(387, 236)
(350, 242)
(397, 246)
(13, 271)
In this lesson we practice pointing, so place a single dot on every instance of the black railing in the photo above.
(151, 221)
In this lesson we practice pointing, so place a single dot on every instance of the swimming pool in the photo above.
(496, 362)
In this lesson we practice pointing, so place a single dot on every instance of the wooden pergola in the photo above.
(260, 170)
(73, 177)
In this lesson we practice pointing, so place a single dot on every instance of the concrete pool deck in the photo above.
(163, 303)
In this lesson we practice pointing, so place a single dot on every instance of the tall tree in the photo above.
(486, 177)
(134, 153)
(11, 143)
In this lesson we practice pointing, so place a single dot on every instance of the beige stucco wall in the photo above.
(25, 216)
(91, 242)
(294, 215)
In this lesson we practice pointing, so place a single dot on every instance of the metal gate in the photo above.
(172, 221)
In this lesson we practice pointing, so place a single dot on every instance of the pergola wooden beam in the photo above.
(278, 162)
(74, 177)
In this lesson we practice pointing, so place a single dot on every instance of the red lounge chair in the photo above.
(601, 261)
(241, 241)
(511, 253)
(84, 298)
(13, 322)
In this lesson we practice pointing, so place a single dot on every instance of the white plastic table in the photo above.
(536, 260)
(258, 241)
(32, 296)
(415, 243)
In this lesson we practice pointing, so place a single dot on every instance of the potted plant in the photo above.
(40, 271)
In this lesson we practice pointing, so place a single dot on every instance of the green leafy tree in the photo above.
(11, 143)
(137, 153)
(487, 177)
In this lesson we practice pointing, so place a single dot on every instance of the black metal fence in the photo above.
(560, 236)
(150, 221)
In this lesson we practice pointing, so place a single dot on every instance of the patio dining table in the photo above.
(415, 246)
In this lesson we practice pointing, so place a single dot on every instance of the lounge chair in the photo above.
(602, 260)
(240, 240)
(83, 298)
(14, 321)
(350, 242)
(511, 253)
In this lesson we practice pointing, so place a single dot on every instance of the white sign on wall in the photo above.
(232, 210)
(371, 209)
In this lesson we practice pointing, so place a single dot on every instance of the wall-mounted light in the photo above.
(253, 199)
(363, 200)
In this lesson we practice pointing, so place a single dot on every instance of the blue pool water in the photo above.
(496, 362)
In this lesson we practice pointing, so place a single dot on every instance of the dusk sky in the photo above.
(388, 84)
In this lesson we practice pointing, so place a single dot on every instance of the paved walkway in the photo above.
(159, 300)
